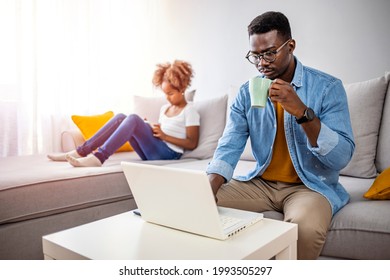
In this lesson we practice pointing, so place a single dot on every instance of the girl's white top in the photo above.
(176, 126)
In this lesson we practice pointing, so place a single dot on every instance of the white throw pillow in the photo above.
(148, 107)
(212, 123)
(365, 102)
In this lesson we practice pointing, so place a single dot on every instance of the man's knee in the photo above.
(311, 234)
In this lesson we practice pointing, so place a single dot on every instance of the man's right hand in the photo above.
(216, 181)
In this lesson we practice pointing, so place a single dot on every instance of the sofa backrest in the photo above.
(382, 160)
(366, 103)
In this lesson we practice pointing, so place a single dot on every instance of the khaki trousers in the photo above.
(300, 205)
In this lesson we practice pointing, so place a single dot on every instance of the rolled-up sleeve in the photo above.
(327, 141)
(220, 167)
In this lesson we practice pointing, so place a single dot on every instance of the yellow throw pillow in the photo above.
(380, 189)
(89, 125)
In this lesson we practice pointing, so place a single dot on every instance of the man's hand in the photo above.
(216, 181)
(284, 93)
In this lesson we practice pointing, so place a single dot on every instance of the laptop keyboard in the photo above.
(227, 221)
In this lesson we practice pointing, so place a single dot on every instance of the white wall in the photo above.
(346, 38)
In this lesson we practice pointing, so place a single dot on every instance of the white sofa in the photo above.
(38, 197)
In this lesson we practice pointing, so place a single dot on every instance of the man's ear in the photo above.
(291, 46)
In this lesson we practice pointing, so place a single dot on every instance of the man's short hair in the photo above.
(270, 21)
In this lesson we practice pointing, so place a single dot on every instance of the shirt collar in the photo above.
(298, 74)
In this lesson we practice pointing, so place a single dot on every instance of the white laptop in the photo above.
(182, 199)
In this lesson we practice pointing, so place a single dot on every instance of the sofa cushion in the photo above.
(71, 139)
(212, 121)
(148, 107)
(380, 189)
(48, 187)
(361, 229)
(383, 150)
(89, 125)
(365, 101)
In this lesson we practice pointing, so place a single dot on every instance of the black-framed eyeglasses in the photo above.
(269, 56)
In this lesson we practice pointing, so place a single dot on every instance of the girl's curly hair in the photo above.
(178, 74)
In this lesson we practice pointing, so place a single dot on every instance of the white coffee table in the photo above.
(128, 237)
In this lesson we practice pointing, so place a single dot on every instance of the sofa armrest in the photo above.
(71, 139)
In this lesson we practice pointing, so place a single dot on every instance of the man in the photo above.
(300, 140)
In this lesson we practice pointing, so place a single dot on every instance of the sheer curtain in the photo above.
(64, 57)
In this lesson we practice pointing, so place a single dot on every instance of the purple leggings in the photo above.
(121, 129)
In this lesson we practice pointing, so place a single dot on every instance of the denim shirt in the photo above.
(317, 167)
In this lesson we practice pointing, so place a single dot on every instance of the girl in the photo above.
(177, 130)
